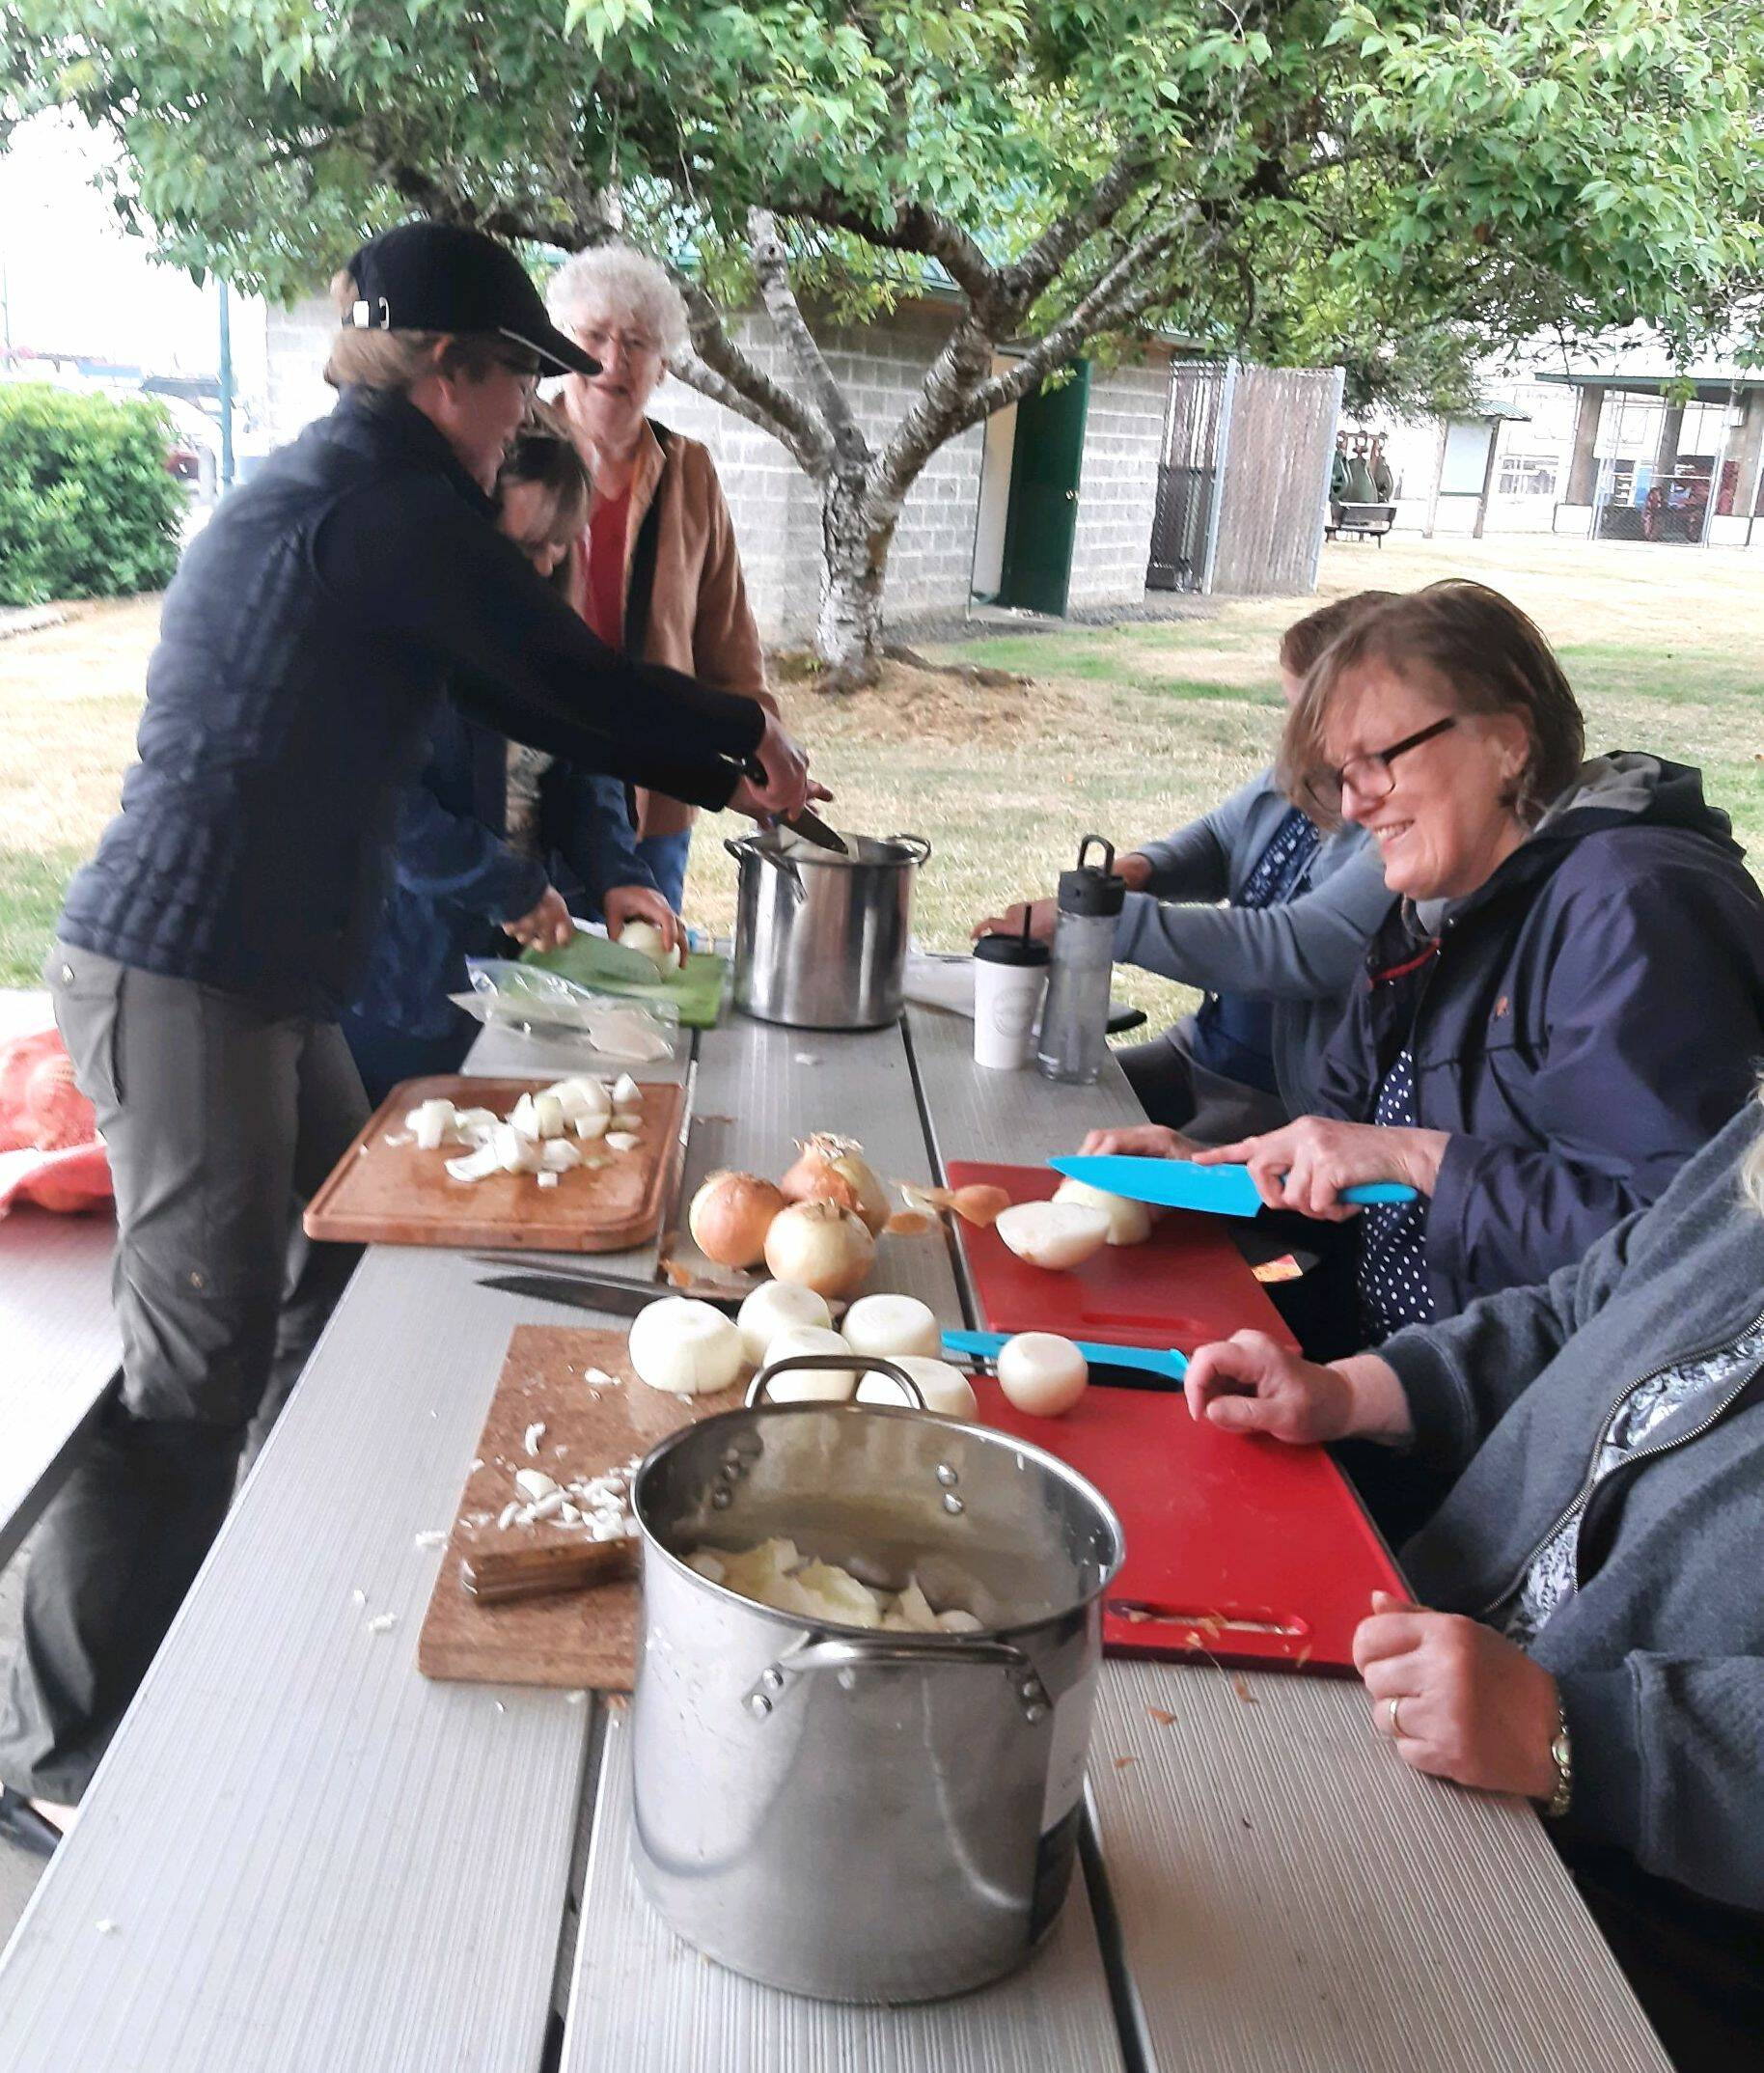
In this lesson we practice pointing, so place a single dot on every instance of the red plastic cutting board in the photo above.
(1238, 1549)
(1187, 1283)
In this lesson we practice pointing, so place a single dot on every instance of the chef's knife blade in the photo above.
(1149, 1359)
(623, 1299)
(815, 830)
(1181, 1184)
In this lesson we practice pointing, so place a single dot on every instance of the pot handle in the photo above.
(861, 1651)
(859, 1365)
(917, 844)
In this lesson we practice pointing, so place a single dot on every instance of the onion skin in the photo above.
(831, 1168)
(821, 1245)
(729, 1217)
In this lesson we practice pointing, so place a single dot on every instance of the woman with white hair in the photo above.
(660, 576)
(1595, 1637)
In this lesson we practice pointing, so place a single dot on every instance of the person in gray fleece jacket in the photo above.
(1268, 916)
(1594, 1631)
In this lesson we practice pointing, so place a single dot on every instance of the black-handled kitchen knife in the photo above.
(808, 824)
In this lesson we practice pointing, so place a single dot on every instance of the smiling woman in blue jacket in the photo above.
(1568, 1002)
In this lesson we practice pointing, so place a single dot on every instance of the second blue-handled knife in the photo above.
(1148, 1359)
(1181, 1184)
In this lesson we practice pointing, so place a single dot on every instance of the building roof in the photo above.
(1706, 385)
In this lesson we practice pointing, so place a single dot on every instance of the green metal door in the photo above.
(1046, 458)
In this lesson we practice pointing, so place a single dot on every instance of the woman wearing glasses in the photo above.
(1568, 999)
(658, 573)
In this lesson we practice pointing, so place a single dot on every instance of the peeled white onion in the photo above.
(946, 1390)
(891, 1324)
(647, 938)
(773, 1308)
(809, 1385)
(687, 1348)
(1129, 1222)
(581, 1097)
(1041, 1374)
(1053, 1234)
(729, 1217)
(822, 1246)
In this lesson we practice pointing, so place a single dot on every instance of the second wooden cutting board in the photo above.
(579, 1641)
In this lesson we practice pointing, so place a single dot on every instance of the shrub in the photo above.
(87, 507)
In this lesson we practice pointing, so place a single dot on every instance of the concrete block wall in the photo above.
(1117, 488)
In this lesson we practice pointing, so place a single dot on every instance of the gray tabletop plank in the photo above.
(761, 1087)
(643, 2001)
(311, 1855)
(1291, 1896)
(60, 1345)
(1013, 1117)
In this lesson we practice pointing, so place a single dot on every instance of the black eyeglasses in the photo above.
(1370, 774)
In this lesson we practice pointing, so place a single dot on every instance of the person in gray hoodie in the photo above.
(1263, 912)
(1588, 1625)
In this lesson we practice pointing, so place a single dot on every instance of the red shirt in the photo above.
(602, 557)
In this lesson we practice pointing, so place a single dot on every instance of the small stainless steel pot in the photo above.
(821, 938)
(852, 1815)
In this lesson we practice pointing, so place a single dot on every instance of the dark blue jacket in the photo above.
(303, 649)
(1593, 1016)
(454, 878)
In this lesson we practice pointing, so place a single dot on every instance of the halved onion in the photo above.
(686, 1348)
(1129, 1222)
(1053, 1234)
(946, 1390)
(773, 1308)
(891, 1324)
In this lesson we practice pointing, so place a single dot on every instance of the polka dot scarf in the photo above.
(1391, 1282)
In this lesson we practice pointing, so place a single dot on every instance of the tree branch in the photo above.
(915, 228)
(1029, 278)
(772, 270)
(721, 370)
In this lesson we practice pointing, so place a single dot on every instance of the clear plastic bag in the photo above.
(505, 995)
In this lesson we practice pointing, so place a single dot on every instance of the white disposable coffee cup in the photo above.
(1010, 979)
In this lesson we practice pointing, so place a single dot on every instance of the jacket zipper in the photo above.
(1592, 1482)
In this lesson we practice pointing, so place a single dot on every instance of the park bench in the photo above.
(58, 1336)
(1367, 521)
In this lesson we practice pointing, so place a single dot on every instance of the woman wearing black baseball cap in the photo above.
(204, 953)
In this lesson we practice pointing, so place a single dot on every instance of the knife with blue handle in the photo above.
(1148, 1359)
(1181, 1184)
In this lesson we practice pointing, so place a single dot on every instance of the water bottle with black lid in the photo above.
(1075, 1021)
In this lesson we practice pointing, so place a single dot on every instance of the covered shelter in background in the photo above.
(1664, 457)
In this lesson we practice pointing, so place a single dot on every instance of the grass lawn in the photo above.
(1126, 729)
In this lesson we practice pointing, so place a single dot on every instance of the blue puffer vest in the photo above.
(250, 850)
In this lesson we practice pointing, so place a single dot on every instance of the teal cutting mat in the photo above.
(697, 991)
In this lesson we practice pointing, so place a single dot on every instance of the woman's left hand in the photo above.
(1306, 1165)
(623, 903)
(1469, 1704)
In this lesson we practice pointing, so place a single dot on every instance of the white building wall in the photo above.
(1117, 489)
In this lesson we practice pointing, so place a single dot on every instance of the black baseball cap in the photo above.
(442, 277)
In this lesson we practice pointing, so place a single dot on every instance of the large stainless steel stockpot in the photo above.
(821, 938)
(848, 1813)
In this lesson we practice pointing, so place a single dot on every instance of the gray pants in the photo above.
(1176, 1090)
(220, 1120)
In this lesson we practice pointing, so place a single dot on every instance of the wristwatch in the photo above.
(1562, 1755)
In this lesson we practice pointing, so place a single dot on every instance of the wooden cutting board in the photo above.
(580, 1640)
(389, 1193)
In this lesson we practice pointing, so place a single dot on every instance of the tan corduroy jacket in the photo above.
(700, 620)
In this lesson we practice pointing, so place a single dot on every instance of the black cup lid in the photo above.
(1011, 950)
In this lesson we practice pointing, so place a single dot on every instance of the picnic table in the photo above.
(300, 1855)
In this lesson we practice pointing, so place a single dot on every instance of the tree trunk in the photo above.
(856, 548)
